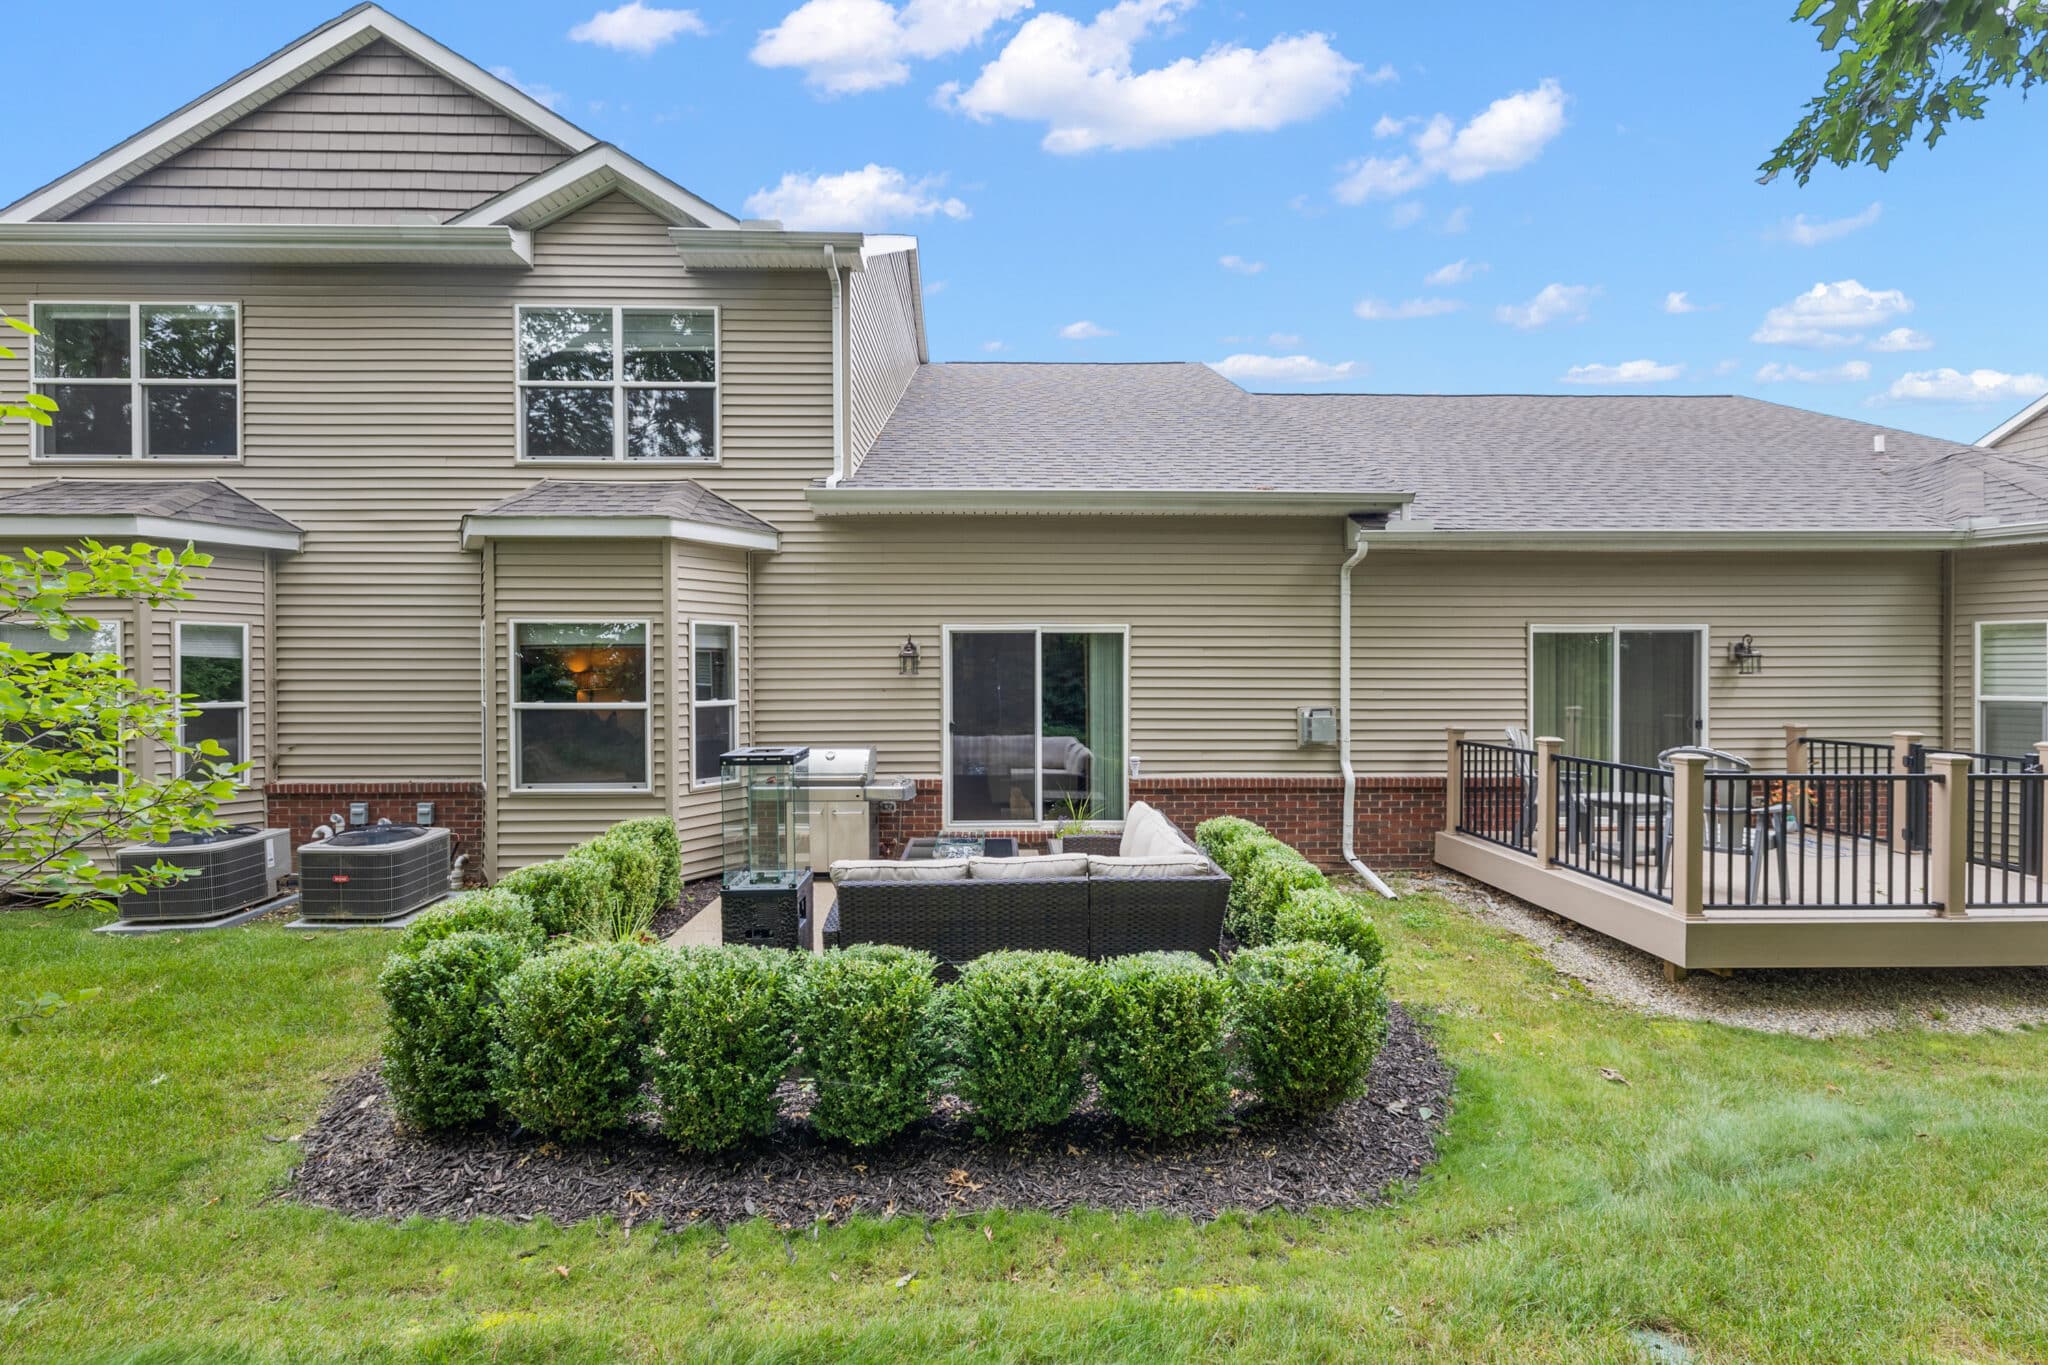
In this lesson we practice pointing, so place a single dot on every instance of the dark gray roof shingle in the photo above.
(207, 501)
(681, 499)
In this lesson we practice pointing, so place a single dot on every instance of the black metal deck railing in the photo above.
(2005, 839)
(1497, 794)
(1615, 820)
(1812, 841)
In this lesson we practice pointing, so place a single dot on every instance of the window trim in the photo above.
(245, 705)
(138, 384)
(1704, 633)
(118, 652)
(705, 783)
(1978, 697)
(1039, 631)
(519, 787)
(619, 385)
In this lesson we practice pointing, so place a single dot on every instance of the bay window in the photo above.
(714, 695)
(1036, 723)
(618, 384)
(579, 706)
(2012, 686)
(152, 381)
(213, 681)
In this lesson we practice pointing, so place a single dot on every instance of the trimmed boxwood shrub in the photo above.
(864, 1024)
(1274, 873)
(719, 1041)
(632, 872)
(1224, 838)
(659, 833)
(1327, 915)
(491, 911)
(442, 1001)
(1159, 1057)
(559, 892)
(1310, 1017)
(1015, 1037)
(571, 1027)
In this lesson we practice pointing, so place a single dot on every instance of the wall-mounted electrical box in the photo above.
(423, 813)
(1317, 725)
(359, 812)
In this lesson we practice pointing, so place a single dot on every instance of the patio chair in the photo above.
(1737, 827)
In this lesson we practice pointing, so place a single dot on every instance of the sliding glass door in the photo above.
(1624, 694)
(1035, 724)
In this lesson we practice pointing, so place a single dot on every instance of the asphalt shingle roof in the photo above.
(682, 499)
(208, 501)
(1473, 461)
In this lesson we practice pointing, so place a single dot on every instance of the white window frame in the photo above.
(1977, 679)
(1039, 632)
(1615, 632)
(138, 384)
(248, 687)
(619, 384)
(696, 782)
(514, 706)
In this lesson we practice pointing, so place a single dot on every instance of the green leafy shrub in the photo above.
(559, 892)
(492, 911)
(632, 871)
(1274, 873)
(1224, 837)
(719, 1042)
(1310, 1017)
(1327, 915)
(441, 1001)
(571, 1028)
(1159, 1058)
(659, 832)
(864, 1024)
(1015, 1037)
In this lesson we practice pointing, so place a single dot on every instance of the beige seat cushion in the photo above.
(1137, 820)
(1015, 869)
(1175, 865)
(889, 870)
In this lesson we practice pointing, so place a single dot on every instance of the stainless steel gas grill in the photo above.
(845, 798)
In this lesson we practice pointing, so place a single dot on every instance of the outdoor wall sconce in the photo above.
(1744, 654)
(907, 657)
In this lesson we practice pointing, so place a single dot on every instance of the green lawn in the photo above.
(1757, 1197)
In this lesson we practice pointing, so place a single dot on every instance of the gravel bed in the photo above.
(696, 895)
(359, 1161)
(1817, 1002)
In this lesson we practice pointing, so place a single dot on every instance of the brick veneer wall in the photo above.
(299, 806)
(1398, 817)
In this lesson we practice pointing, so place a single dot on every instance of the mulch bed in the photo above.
(696, 895)
(358, 1161)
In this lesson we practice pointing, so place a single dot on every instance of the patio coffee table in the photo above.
(958, 846)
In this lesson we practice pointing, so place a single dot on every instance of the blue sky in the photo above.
(1289, 184)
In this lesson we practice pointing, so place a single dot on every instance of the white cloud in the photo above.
(1406, 214)
(1627, 372)
(1284, 369)
(1798, 231)
(1508, 134)
(635, 28)
(1458, 219)
(1553, 303)
(1678, 301)
(1903, 339)
(1381, 74)
(1084, 330)
(1283, 340)
(863, 199)
(1079, 80)
(1977, 386)
(1830, 315)
(847, 46)
(1375, 310)
(546, 94)
(1386, 125)
(1848, 372)
(993, 346)
(1727, 366)
(1460, 271)
(1238, 265)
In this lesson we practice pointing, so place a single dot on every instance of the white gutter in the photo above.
(1372, 878)
(838, 373)
(829, 502)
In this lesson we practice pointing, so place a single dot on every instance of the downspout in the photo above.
(1371, 878)
(838, 373)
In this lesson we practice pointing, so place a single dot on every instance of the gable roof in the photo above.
(592, 173)
(2014, 422)
(174, 509)
(1473, 464)
(323, 48)
(580, 509)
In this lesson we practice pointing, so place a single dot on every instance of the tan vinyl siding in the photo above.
(710, 585)
(375, 138)
(379, 408)
(575, 581)
(1991, 585)
(2029, 443)
(1851, 642)
(882, 346)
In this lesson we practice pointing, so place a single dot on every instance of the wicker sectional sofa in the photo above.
(1121, 906)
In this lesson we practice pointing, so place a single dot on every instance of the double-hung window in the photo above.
(618, 384)
(714, 695)
(213, 680)
(579, 706)
(152, 381)
(2012, 686)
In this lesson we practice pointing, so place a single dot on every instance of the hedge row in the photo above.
(1278, 896)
